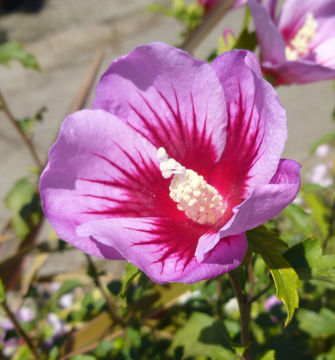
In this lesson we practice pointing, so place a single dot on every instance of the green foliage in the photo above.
(269, 355)
(24, 202)
(203, 336)
(268, 245)
(14, 51)
(320, 324)
(246, 39)
(2, 292)
(28, 123)
(309, 262)
(301, 221)
(318, 212)
(190, 15)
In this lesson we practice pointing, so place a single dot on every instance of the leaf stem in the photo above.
(25, 138)
(245, 308)
(20, 330)
(262, 292)
(109, 302)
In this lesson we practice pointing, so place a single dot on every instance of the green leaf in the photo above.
(2, 292)
(317, 324)
(67, 286)
(130, 273)
(23, 353)
(203, 336)
(83, 357)
(13, 50)
(285, 278)
(327, 356)
(299, 218)
(246, 40)
(105, 350)
(269, 355)
(24, 202)
(319, 212)
(28, 124)
(309, 262)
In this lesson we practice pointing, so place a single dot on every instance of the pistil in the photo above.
(299, 45)
(200, 201)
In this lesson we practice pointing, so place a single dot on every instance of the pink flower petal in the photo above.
(164, 249)
(256, 131)
(171, 99)
(270, 40)
(100, 168)
(265, 202)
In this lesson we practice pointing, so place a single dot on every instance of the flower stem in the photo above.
(109, 302)
(200, 32)
(20, 330)
(23, 135)
(245, 308)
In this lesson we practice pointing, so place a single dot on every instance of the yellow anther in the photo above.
(299, 45)
(200, 201)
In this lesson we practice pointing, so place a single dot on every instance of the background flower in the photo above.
(298, 46)
(106, 191)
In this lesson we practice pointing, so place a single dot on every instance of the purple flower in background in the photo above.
(177, 159)
(298, 46)
(271, 302)
(209, 4)
(23, 315)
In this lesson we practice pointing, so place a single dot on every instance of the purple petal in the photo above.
(293, 14)
(265, 202)
(100, 168)
(164, 249)
(270, 40)
(173, 100)
(298, 72)
(256, 131)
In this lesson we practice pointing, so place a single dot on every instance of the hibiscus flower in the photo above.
(176, 160)
(298, 46)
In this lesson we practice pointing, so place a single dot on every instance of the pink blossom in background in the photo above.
(10, 343)
(271, 302)
(298, 46)
(177, 159)
(209, 4)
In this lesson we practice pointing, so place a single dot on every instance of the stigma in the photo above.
(299, 45)
(200, 201)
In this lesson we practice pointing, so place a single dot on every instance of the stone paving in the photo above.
(65, 36)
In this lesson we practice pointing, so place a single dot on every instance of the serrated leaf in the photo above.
(285, 278)
(203, 336)
(309, 262)
(13, 50)
(320, 324)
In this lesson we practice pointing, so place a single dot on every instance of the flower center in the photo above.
(200, 201)
(299, 45)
